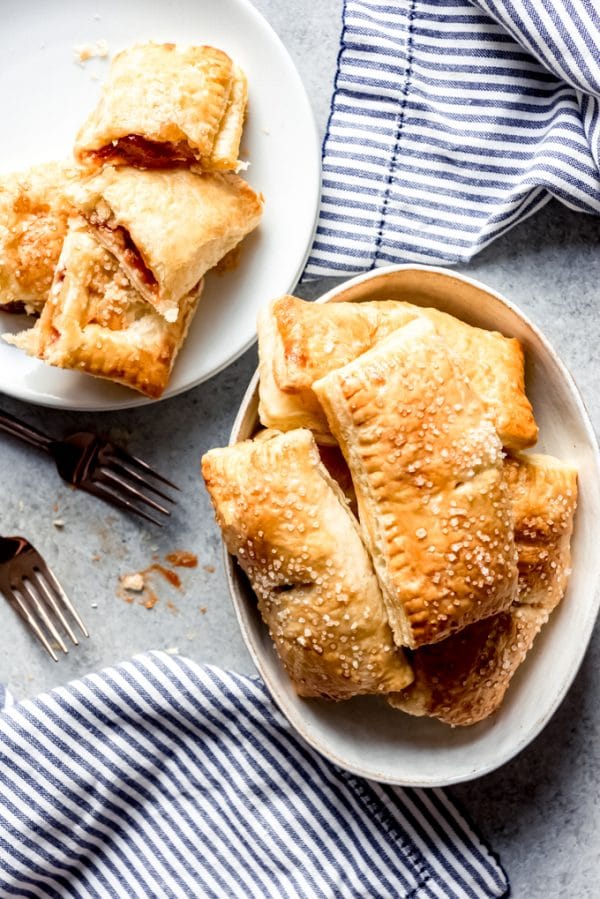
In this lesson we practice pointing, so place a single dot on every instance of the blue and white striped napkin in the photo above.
(160, 778)
(451, 122)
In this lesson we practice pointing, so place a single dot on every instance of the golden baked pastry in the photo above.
(168, 227)
(288, 524)
(300, 342)
(426, 463)
(34, 209)
(463, 679)
(166, 105)
(94, 321)
(543, 492)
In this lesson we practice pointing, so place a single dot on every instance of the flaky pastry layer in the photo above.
(463, 679)
(34, 212)
(543, 492)
(300, 342)
(426, 464)
(167, 105)
(167, 228)
(290, 528)
(95, 322)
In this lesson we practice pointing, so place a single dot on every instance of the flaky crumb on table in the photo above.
(134, 582)
(84, 52)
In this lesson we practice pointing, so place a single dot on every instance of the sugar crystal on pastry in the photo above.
(543, 493)
(167, 105)
(95, 322)
(289, 526)
(300, 342)
(426, 464)
(35, 206)
(464, 678)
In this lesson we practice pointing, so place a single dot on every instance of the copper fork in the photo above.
(34, 592)
(101, 468)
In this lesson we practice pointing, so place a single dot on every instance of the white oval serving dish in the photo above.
(366, 736)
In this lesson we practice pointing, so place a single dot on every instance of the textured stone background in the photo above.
(539, 812)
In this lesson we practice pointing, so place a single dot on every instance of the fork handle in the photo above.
(17, 428)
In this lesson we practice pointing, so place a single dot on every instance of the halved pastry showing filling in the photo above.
(464, 678)
(167, 105)
(95, 322)
(34, 211)
(168, 227)
(426, 463)
(289, 526)
(300, 342)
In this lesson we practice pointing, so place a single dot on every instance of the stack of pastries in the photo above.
(398, 539)
(110, 249)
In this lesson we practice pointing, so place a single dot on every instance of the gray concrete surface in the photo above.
(540, 812)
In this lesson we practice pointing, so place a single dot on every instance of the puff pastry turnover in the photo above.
(463, 679)
(34, 210)
(427, 469)
(95, 322)
(287, 523)
(543, 492)
(300, 342)
(168, 227)
(166, 105)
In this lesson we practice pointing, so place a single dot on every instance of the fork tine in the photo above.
(51, 600)
(130, 490)
(21, 607)
(104, 492)
(127, 457)
(138, 478)
(42, 613)
(53, 581)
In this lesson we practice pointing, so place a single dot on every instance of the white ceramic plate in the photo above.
(365, 735)
(45, 96)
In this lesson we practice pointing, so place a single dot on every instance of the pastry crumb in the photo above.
(133, 582)
(94, 605)
(150, 601)
(58, 523)
(83, 52)
(172, 650)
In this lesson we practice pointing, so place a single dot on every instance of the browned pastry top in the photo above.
(426, 463)
(289, 526)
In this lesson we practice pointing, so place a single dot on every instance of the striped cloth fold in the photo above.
(160, 778)
(452, 121)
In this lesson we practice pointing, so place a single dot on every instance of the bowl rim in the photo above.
(250, 399)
